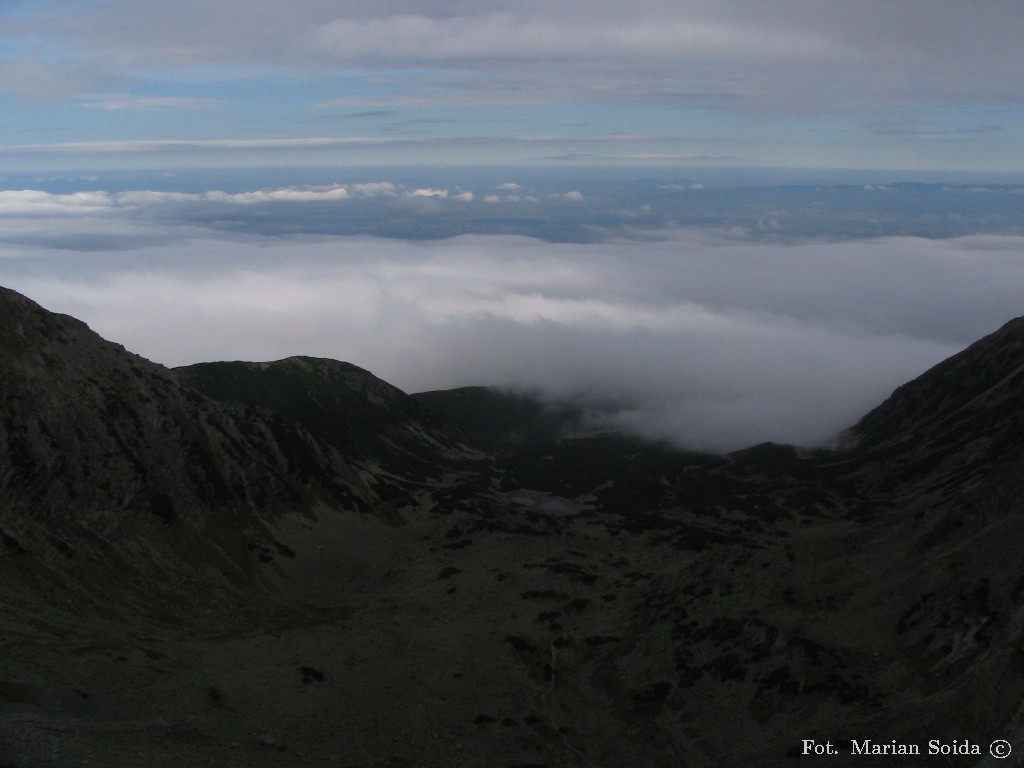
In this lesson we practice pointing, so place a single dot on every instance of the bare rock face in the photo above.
(256, 563)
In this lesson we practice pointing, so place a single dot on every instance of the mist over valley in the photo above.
(715, 317)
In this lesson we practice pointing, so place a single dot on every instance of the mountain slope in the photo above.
(108, 459)
(91, 429)
(976, 391)
(959, 422)
(295, 563)
(343, 405)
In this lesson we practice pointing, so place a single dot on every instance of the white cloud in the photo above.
(372, 189)
(38, 202)
(151, 197)
(712, 342)
(291, 195)
(35, 201)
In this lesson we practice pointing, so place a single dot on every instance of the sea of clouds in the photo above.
(713, 342)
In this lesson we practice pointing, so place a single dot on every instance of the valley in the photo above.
(295, 563)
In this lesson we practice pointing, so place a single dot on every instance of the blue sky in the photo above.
(914, 84)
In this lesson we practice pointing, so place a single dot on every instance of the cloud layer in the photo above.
(36, 202)
(713, 343)
(763, 55)
(787, 83)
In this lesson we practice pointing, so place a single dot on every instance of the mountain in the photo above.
(294, 562)
(338, 402)
(961, 419)
(107, 455)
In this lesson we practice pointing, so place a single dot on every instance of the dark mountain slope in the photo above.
(947, 449)
(872, 590)
(976, 395)
(342, 405)
(109, 460)
(98, 434)
(294, 563)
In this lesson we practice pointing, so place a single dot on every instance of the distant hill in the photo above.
(295, 562)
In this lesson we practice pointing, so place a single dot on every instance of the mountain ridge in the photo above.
(991, 369)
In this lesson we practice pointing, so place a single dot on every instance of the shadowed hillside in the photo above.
(295, 563)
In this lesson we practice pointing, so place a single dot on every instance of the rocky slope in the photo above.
(107, 457)
(294, 563)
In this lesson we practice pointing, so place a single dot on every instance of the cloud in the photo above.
(742, 54)
(363, 115)
(34, 80)
(667, 157)
(291, 195)
(372, 189)
(433, 100)
(39, 202)
(314, 144)
(110, 147)
(36, 201)
(711, 342)
(911, 128)
(119, 101)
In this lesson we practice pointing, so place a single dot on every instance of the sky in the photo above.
(913, 84)
(693, 216)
